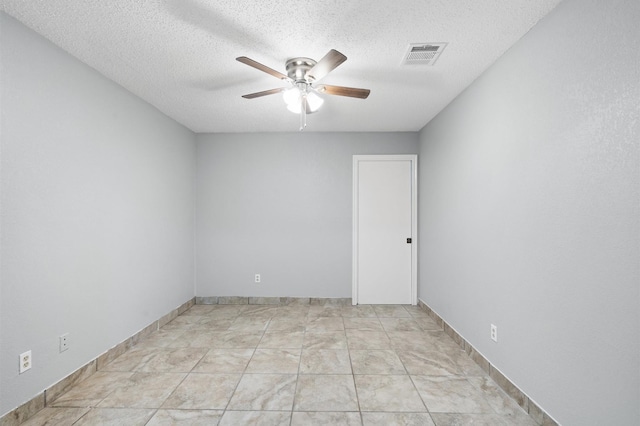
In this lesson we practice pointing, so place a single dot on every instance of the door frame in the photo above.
(413, 158)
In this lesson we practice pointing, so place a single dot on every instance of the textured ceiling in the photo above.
(179, 55)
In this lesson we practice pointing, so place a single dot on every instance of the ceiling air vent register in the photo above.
(423, 53)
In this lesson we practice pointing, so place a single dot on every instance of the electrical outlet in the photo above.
(257, 278)
(25, 361)
(494, 333)
(65, 341)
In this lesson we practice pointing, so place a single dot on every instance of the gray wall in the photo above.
(97, 213)
(530, 185)
(529, 180)
(280, 205)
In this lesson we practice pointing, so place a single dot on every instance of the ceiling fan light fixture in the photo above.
(294, 108)
(302, 73)
(315, 101)
(292, 97)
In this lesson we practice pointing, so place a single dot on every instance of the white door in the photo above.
(384, 252)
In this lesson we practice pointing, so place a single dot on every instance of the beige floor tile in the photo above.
(215, 324)
(256, 418)
(391, 311)
(498, 400)
(281, 340)
(416, 311)
(443, 341)
(325, 393)
(258, 311)
(115, 417)
(292, 312)
(186, 418)
(289, 325)
(91, 391)
(131, 360)
(237, 340)
(250, 324)
(451, 394)
(399, 324)
(376, 362)
(427, 323)
(200, 310)
(196, 338)
(396, 419)
(457, 419)
(325, 324)
(465, 364)
(143, 390)
(203, 323)
(176, 327)
(176, 360)
(56, 416)
(325, 340)
(203, 391)
(224, 311)
(316, 418)
(290, 365)
(264, 392)
(324, 311)
(429, 363)
(325, 361)
(388, 393)
(413, 341)
(274, 361)
(363, 324)
(186, 320)
(358, 311)
(161, 338)
(368, 340)
(210, 338)
(224, 361)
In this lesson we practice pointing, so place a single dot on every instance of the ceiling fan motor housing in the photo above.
(297, 69)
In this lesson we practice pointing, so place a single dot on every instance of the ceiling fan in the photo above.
(303, 74)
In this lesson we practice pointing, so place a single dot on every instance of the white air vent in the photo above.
(423, 53)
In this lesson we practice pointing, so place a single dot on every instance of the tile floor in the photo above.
(290, 365)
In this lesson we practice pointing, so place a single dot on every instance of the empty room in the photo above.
(317, 213)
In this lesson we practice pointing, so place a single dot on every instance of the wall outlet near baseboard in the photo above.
(65, 341)
(494, 333)
(257, 278)
(25, 361)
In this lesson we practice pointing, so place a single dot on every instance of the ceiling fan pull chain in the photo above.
(303, 110)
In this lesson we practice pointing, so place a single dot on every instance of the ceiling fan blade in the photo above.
(351, 92)
(264, 93)
(328, 63)
(263, 68)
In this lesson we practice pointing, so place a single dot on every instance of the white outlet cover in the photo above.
(25, 361)
(494, 333)
(64, 342)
